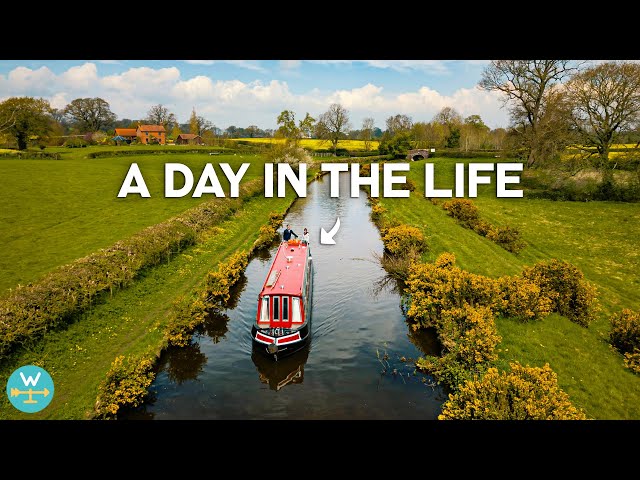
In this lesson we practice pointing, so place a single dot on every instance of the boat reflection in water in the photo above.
(286, 371)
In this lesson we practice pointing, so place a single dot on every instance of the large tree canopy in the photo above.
(23, 117)
(90, 114)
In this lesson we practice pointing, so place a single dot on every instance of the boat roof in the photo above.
(279, 275)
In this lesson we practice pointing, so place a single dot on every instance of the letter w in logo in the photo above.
(30, 379)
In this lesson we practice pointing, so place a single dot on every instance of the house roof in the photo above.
(126, 132)
(151, 128)
(188, 136)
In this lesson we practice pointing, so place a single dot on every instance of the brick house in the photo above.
(189, 139)
(146, 134)
(129, 134)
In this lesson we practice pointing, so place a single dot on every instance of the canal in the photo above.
(359, 364)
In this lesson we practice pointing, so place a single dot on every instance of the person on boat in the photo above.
(305, 236)
(286, 235)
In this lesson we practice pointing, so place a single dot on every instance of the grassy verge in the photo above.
(600, 238)
(132, 321)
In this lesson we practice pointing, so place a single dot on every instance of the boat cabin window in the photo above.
(296, 316)
(264, 310)
(285, 309)
(276, 309)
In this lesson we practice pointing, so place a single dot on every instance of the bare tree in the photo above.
(160, 115)
(605, 100)
(367, 132)
(333, 124)
(526, 85)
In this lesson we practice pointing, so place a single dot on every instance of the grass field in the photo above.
(54, 211)
(316, 144)
(601, 238)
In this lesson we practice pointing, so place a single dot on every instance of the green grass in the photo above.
(601, 238)
(54, 211)
(131, 321)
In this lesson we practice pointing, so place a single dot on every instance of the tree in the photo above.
(90, 114)
(198, 125)
(175, 131)
(160, 115)
(398, 145)
(291, 132)
(605, 100)
(193, 122)
(366, 134)
(526, 85)
(24, 117)
(399, 124)
(333, 124)
(452, 121)
(474, 134)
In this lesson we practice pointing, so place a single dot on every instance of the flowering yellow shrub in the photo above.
(377, 211)
(443, 286)
(125, 385)
(571, 295)
(402, 238)
(218, 284)
(524, 393)
(463, 210)
(187, 314)
(632, 361)
(625, 337)
(507, 237)
(522, 299)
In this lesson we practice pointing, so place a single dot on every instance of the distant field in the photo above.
(601, 238)
(54, 211)
(316, 144)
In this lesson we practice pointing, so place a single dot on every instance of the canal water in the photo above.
(358, 364)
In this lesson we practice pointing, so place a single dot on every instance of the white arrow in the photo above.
(327, 238)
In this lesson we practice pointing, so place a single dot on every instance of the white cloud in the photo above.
(430, 66)
(200, 62)
(226, 102)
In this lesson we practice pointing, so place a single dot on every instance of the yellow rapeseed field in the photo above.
(316, 144)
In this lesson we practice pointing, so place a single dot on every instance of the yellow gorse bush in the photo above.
(524, 393)
(125, 385)
(401, 239)
(625, 337)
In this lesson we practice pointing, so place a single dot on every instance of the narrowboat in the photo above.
(283, 320)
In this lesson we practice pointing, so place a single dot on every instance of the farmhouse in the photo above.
(151, 134)
(189, 139)
(128, 134)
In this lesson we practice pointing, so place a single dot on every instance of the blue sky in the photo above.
(246, 92)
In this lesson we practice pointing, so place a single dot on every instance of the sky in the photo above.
(254, 92)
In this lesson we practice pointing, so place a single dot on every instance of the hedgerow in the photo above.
(29, 311)
(625, 337)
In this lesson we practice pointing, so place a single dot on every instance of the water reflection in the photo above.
(287, 371)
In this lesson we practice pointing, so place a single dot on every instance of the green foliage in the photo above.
(398, 146)
(563, 283)
(269, 232)
(125, 384)
(524, 393)
(25, 117)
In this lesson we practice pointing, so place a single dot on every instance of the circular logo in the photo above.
(30, 389)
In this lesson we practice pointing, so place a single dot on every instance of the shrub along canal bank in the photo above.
(598, 239)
